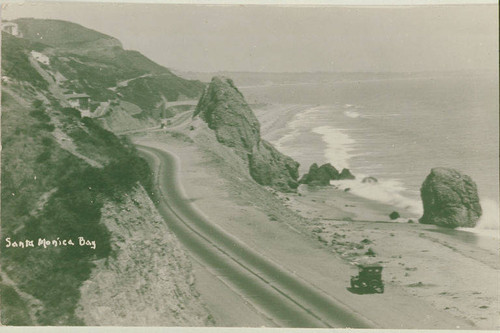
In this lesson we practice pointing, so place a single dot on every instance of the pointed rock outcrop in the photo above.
(324, 174)
(320, 175)
(223, 107)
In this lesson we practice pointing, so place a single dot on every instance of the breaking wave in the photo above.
(340, 150)
(351, 114)
(489, 220)
(390, 192)
(339, 145)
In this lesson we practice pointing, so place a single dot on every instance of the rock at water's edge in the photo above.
(450, 199)
(370, 180)
(320, 175)
(346, 174)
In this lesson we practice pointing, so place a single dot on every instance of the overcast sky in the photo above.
(292, 39)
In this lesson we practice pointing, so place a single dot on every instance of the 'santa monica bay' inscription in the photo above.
(47, 243)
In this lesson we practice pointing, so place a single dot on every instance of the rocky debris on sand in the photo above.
(450, 199)
(370, 180)
(370, 252)
(224, 109)
(394, 215)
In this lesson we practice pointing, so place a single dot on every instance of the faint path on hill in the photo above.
(289, 300)
(178, 122)
(185, 102)
(134, 131)
(53, 87)
(125, 83)
(15, 96)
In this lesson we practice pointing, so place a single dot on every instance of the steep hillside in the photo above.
(224, 109)
(86, 61)
(65, 178)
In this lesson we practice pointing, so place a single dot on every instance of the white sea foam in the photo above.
(293, 128)
(490, 218)
(339, 151)
(389, 192)
(339, 145)
(382, 115)
(351, 114)
(489, 223)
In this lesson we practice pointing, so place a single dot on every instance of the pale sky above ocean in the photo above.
(293, 39)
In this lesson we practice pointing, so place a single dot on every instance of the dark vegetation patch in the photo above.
(72, 112)
(39, 112)
(54, 275)
(15, 60)
(14, 309)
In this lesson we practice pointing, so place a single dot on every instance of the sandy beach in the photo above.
(320, 233)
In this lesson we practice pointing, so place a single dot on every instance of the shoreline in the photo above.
(334, 145)
(320, 241)
(335, 148)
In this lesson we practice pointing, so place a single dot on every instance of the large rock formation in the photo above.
(322, 175)
(450, 199)
(224, 109)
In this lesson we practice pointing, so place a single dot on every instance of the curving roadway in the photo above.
(284, 297)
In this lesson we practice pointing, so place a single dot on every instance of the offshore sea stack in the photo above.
(321, 176)
(450, 199)
(224, 109)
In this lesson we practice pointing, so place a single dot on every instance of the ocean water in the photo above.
(395, 128)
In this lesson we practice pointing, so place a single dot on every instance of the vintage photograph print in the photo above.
(319, 166)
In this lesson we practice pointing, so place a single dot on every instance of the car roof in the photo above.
(370, 266)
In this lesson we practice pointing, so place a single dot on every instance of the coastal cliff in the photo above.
(224, 109)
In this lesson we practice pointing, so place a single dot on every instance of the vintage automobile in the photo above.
(369, 279)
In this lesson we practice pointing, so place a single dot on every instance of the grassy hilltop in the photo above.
(96, 64)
